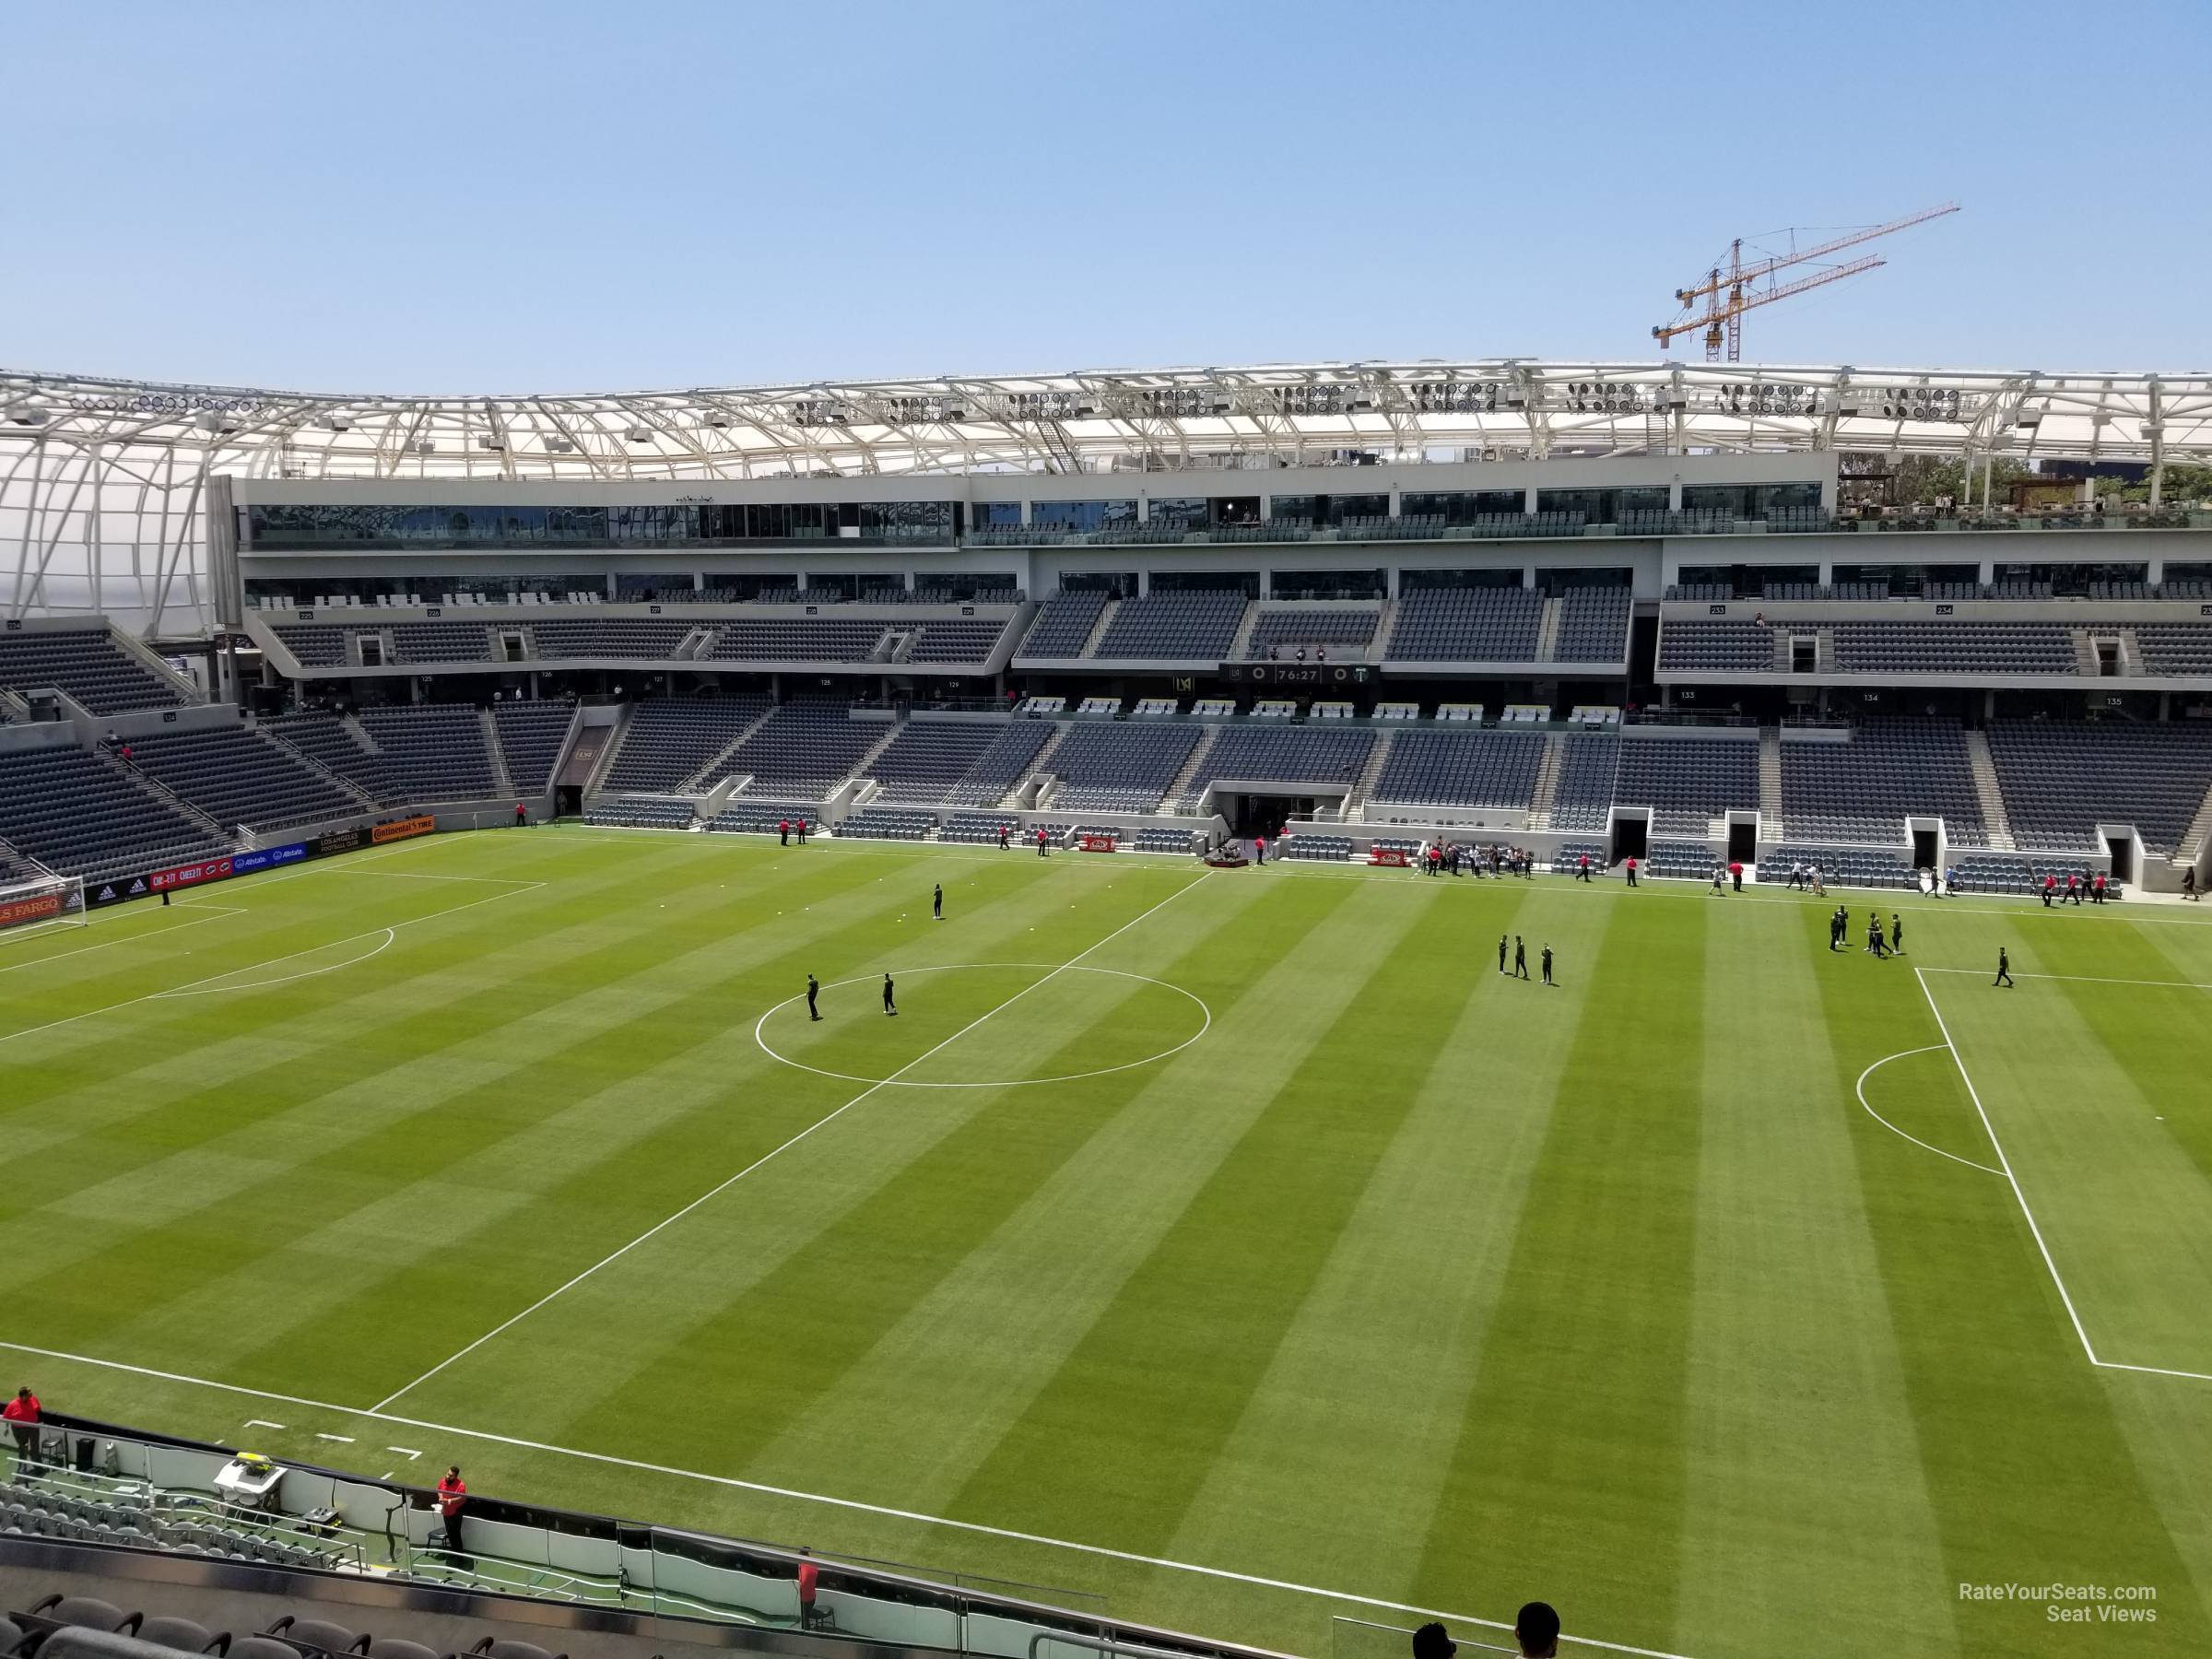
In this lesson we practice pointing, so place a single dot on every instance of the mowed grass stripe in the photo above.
(1145, 1401)
(997, 1324)
(418, 1134)
(1567, 1477)
(2028, 1472)
(1832, 1503)
(1391, 1336)
(693, 1270)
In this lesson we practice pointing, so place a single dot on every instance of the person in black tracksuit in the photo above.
(1520, 958)
(1501, 953)
(1897, 935)
(889, 1006)
(813, 989)
(1548, 964)
(2003, 967)
(936, 903)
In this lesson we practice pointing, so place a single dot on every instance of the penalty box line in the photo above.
(774, 1152)
(2087, 1347)
(192, 987)
(919, 1517)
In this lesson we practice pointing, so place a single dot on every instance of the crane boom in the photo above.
(1665, 335)
(1718, 279)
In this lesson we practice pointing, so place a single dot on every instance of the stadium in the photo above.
(1145, 1013)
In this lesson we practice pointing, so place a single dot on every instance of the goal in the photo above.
(28, 907)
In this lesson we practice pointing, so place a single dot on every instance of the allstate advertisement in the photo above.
(268, 858)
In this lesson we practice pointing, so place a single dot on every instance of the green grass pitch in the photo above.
(1233, 1246)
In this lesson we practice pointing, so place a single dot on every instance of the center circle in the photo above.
(1047, 969)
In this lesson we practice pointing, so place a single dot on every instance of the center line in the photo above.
(769, 1156)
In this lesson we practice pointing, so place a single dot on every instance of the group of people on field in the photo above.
(1453, 858)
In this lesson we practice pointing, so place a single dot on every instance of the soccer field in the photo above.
(1241, 1247)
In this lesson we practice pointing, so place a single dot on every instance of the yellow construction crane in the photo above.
(1729, 292)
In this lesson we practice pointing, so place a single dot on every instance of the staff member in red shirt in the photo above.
(22, 1412)
(808, 1574)
(453, 1498)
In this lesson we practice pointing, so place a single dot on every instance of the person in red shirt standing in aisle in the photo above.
(22, 1415)
(809, 1574)
(453, 1498)
(1631, 869)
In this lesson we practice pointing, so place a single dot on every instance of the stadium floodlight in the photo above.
(30, 908)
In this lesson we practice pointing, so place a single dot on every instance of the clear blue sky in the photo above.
(465, 197)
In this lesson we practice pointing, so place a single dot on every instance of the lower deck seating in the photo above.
(82, 814)
(928, 757)
(802, 751)
(1679, 860)
(1119, 767)
(1568, 857)
(1184, 841)
(432, 751)
(1582, 795)
(1687, 781)
(1305, 844)
(1840, 866)
(1008, 759)
(666, 742)
(240, 778)
(980, 829)
(884, 823)
(328, 739)
(2061, 779)
(745, 816)
(1863, 789)
(1475, 768)
(532, 736)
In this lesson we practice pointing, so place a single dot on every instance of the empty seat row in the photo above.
(1459, 624)
(666, 742)
(432, 751)
(87, 665)
(241, 778)
(1460, 768)
(532, 736)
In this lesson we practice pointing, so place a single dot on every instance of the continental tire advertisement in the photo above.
(402, 828)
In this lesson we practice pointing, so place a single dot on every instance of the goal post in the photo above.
(31, 908)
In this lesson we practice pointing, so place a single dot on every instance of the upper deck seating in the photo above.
(1064, 622)
(1453, 624)
(1593, 625)
(85, 663)
(1341, 633)
(1175, 626)
(1693, 645)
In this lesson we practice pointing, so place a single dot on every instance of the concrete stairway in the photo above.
(1377, 758)
(500, 774)
(1547, 781)
(226, 834)
(1770, 784)
(1994, 817)
(695, 782)
(1548, 632)
(1190, 769)
(1090, 641)
(1384, 622)
(1243, 639)
(2194, 837)
(299, 757)
(1042, 763)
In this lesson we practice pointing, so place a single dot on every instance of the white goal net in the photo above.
(30, 908)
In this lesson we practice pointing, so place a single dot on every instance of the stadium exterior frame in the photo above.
(104, 483)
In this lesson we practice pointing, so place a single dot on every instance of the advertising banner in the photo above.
(1389, 856)
(1096, 843)
(191, 874)
(401, 828)
(339, 841)
(268, 858)
(115, 891)
(39, 907)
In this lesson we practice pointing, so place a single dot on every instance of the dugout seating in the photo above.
(1440, 768)
(2060, 779)
(801, 751)
(1306, 844)
(639, 812)
(1861, 790)
(887, 823)
(746, 816)
(1064, 622)
(1010, 758)
(1165, 840)
(666, 742)
(1566, 858)
(2019, 875)
(1456, 624)
(1840, 866)
(1582, 795)
(82, 814)
(1118, 768)
(928, 757)
(432, 751)
(1691, 646)
(980, 829)
(1679, 860)
(532, 736)
(1687, 781)
(1340, 631)
(1179, 626)
(1593, 625)
(86, 664)
(238, 777)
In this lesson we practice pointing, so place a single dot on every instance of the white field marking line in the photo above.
(344, 1440)
(62, 956)
(1860, 1090)
(1102, 1071)
(768, 1156)
(261, 1423)
(403, 1451)
(2089, 979)
(192, 986)
(283, 978)
(2063, 1295)
(735, 1484)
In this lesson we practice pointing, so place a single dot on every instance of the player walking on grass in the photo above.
(1501, 953)
(1548, 964)
(2004, 969)
(936, 903)
(889, 1006)
(1897, 935)
(1631, 867)
(1520, 958)
(813, 989)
